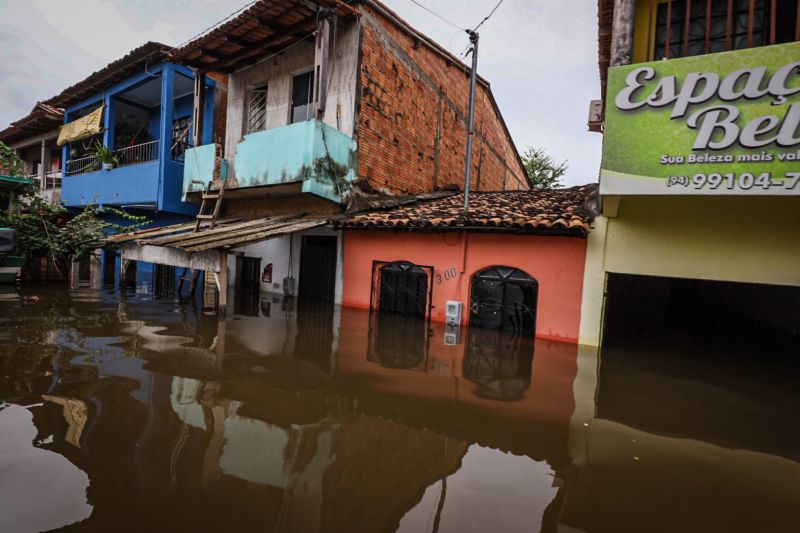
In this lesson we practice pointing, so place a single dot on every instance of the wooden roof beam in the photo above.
(259, 46)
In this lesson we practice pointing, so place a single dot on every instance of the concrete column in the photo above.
(584, 390)
(41, 164)
(165, 129)
(594, 281)
(198, 111)
(95, 270)
(64, 152)
(108, 122)
(622, 32)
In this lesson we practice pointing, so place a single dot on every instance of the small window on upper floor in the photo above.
(257, 109)
(302, 97)
(683, 28)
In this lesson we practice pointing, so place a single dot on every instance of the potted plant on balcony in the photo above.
(105, 156)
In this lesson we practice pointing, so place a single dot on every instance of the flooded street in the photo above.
(144, 414)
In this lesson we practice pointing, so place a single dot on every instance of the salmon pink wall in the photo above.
(555, 262)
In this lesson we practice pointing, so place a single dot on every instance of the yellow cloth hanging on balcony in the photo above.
(84, 127)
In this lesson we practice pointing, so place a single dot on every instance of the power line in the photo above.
(216, 24)
(437, 15)
(487, 17)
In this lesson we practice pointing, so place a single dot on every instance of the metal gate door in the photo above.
(318, 268)
(402, 288)
(504, 298)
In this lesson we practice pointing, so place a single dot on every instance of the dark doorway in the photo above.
(109, 268)
(164, 281)
(248, 286)
(84, 273)
(707, 360)
(504, 298)
(402, 288)
(318, 268)
(690, 312)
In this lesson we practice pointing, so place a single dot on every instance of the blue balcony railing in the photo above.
(131, 155)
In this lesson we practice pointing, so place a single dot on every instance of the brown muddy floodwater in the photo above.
(139, 414)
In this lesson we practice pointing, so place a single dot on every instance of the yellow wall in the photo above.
(644, 20)
(753, 239)
(725, 238)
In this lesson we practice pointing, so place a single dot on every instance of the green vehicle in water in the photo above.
(10, 264)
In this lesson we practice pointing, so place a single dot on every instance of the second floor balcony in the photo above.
(139, 132)
(132, 179)
(305, 157)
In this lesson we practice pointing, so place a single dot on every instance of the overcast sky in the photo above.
(540, 56)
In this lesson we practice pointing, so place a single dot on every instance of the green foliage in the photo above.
(48, 230)
(104, 154)
(542, 170)
(10, 163)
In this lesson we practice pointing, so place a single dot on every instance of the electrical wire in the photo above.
(437, 15)
(216, 24)
(487, 17)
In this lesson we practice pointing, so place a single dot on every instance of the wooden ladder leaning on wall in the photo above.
(214, 191)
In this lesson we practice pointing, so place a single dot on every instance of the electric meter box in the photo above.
(452, 313)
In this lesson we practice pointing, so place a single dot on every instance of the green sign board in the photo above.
(726, 123)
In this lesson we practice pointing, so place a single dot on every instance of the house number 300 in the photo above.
(448, 274)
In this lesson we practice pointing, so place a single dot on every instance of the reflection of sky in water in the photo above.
(48, 491)
(492, 491)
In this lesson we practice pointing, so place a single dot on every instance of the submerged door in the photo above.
(504, 298)
(318, 268)
(403, 289)
(500, 345)
(398, 334)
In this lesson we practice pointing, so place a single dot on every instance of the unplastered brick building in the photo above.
(332, 107)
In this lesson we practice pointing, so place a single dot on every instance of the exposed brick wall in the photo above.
(412, 112)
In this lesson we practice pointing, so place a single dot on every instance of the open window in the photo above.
(302, 97)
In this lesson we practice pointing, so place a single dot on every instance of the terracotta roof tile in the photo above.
(559, 211)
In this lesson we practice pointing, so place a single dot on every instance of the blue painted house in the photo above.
(140, 107)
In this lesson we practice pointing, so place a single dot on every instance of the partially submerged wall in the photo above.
(555, 262)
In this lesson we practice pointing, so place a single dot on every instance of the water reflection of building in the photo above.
(182, 421)
(189, 421)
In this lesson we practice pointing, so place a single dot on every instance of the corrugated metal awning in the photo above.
(226, 234)
(179, 245)
(83, 128)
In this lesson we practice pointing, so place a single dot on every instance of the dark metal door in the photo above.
(403, 289)
(504, 298)
(318, 268)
